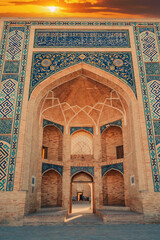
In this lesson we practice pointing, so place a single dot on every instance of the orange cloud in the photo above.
(81, 1)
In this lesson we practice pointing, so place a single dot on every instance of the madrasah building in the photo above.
(79, 115)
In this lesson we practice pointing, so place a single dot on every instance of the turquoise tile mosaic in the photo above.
(4, 138)
(50, 123)
(154, 95)
(157, 127)
(5, 126)
(11, 66)
(146, 28)
(7, 97)
(147, 109)
(151, 78)
(15, 43)
(116, 166)
(10, 76)
(4, 160)
(79, 39)
(115, 123)
(47, 167)
(89, 170)
(45, 64)
(152, 68)
(74, 129)
(149, 46)
(24, 27)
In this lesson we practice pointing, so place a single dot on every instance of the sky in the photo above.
(81, 8)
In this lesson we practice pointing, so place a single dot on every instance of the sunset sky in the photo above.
(80, 8)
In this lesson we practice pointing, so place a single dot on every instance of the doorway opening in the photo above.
(82, 193)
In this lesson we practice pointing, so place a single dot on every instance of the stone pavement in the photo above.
(82, 232)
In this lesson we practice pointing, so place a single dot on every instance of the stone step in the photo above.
(83, 219)
(120, 217)
(47, 216)
(116, 208)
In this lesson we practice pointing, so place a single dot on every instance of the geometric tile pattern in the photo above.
(147, 111)
(157, 127)
(89, 170)
(14, 47)
(8, 98)
(116, 123)
(154, 95)
(5, 138)
(76, 38)
(152, 68)
(11, 66)
(116, 166)
(61, 60)
(5, 126)
(4, 157)
(47, 166)
(18, 107)
(149, 47)
(74, 129)
(50, 123)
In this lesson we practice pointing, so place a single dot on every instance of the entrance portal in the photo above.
(81, 193)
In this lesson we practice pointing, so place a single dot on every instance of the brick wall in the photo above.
(111, 138)
(81, 187)
(51, 189)
(113, 188)
(52, 138)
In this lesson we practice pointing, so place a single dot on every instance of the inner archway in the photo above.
(113, 189)
(51, 189)
(82, 193)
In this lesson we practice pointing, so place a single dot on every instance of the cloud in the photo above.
(143, 8)
(81, 1)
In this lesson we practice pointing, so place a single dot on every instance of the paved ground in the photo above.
(82, 232)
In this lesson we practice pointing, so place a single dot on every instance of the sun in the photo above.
(53, 8)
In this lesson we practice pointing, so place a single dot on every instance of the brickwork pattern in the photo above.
(113, 188)
(51, 189)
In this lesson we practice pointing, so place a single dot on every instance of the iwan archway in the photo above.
(83, 97)
(82, 193)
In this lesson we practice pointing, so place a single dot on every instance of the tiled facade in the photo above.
(33, 52)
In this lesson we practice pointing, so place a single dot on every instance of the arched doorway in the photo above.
(107, 97)
(51, 189)
(112, 144)
(52, 143)
(82, 193)
(113, 189)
